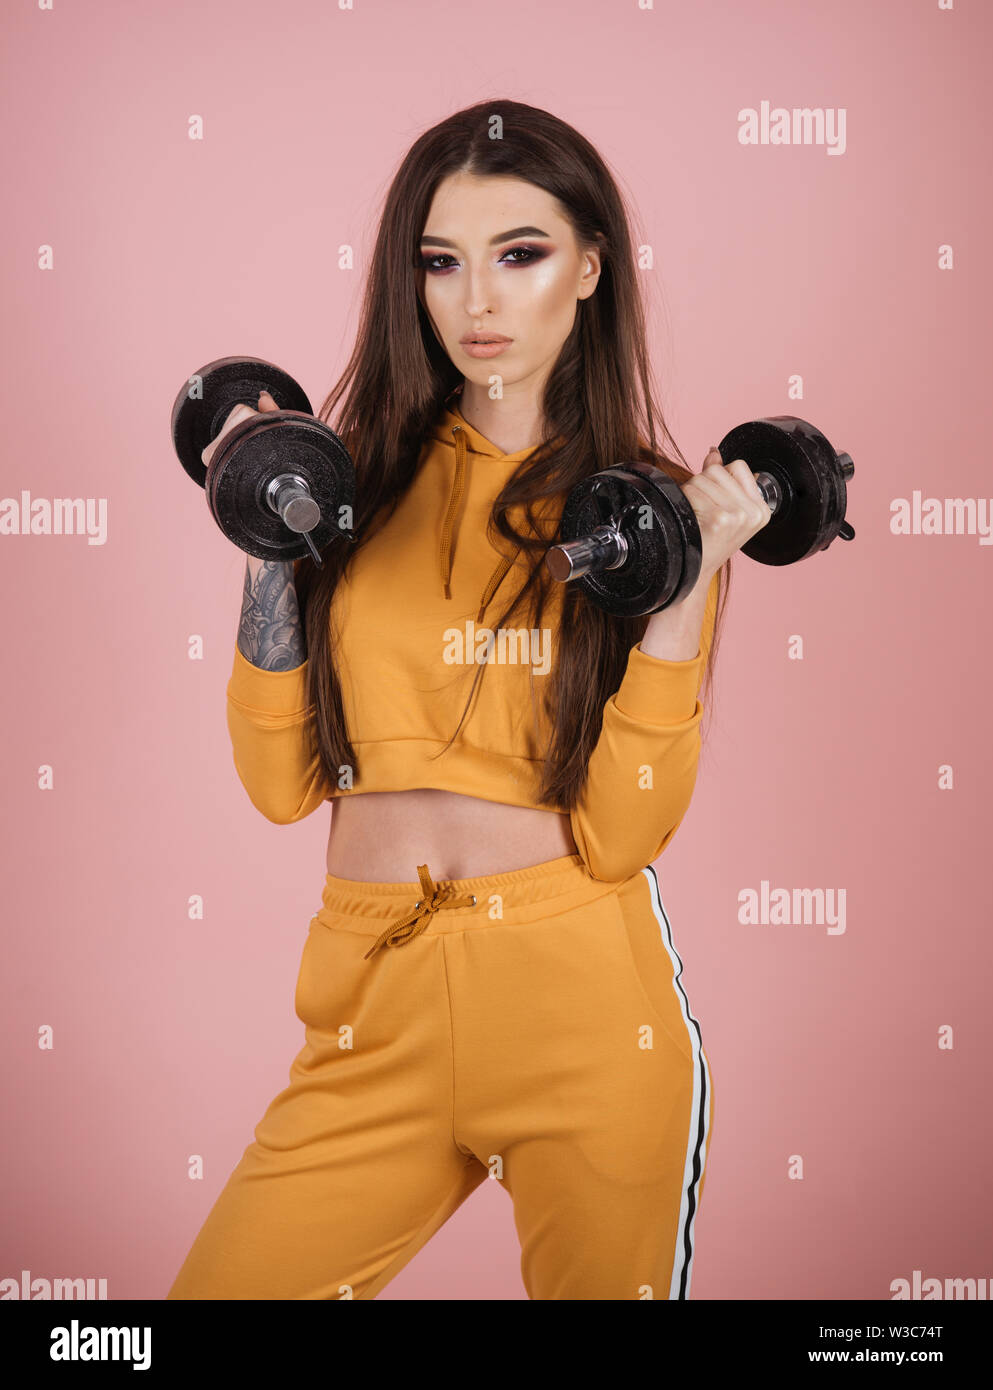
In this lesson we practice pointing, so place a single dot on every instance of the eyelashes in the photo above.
(532, 253)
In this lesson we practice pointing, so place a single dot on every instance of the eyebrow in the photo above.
(494, 241)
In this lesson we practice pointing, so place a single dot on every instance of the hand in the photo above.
(729, 508)
(239, 413)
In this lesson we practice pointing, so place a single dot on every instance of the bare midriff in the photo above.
(381, 837)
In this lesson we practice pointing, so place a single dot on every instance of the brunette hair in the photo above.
(598, 408)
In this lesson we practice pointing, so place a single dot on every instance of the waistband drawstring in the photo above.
(435, 896)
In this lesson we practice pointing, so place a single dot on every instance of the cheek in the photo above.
(548, 301)
(442, 315)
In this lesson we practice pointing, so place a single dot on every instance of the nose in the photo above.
(479, 293)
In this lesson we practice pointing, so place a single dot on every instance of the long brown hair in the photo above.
(399, 377)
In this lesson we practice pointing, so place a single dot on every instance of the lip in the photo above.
(490, 347)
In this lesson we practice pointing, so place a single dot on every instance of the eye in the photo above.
(530, 253)
(428, 262)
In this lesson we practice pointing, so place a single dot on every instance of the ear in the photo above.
(591, 274)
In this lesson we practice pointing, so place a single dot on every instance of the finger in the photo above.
(240, 412)
(703, 501)
(739, 469)
(724, 494)
(735, 480)
(234, 417)
(714, 481)
(266, 401)
(715, 466)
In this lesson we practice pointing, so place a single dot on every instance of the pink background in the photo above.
(171, 1036)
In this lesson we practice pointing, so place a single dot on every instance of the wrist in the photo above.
(674, 633)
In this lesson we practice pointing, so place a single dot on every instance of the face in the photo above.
(498, 258)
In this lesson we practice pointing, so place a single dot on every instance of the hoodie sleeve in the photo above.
(642, 771)
(269, 719)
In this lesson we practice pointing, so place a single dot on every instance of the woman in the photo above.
(513, 1009)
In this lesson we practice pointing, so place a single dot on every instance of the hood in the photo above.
(452, 430)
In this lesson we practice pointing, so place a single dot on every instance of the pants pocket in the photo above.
(654, 967)
(329, 966)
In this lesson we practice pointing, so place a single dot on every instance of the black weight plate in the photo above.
(240, 474)
(654, 571)
(223, 384)
(810, 479)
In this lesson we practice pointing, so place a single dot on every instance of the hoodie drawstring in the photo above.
(492, 584)
(447, 544)
(446, 547)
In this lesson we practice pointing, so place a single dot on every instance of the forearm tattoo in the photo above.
(271, 634)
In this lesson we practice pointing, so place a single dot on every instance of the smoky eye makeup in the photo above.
(522, 255)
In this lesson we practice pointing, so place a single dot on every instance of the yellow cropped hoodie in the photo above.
(410, 623)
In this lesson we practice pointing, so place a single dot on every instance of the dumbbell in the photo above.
(281, 483)
(631, 538)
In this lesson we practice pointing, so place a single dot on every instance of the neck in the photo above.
(513, 423)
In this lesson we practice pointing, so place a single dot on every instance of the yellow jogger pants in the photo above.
(529, 1027)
